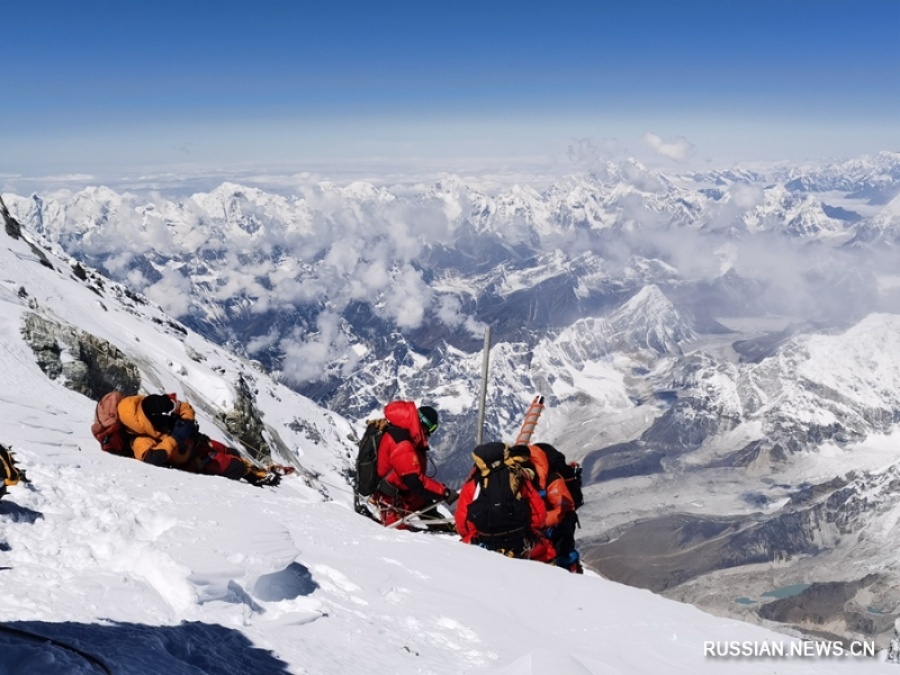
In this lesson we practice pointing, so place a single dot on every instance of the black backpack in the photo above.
(498, 509)
(367, 480)
(571, 473)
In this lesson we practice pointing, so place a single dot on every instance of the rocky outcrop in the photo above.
(245, 423)
(13, 228)
(81, 361)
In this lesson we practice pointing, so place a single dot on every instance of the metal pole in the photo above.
(479, 429)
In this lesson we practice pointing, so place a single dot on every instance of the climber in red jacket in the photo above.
(404, 487)
(499, 509)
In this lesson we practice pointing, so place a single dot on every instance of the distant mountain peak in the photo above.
(649, 320)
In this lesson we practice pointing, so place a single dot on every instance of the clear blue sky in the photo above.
(113, 85)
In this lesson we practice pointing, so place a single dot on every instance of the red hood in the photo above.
(405, 414)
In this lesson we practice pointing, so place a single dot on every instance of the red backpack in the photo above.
(107, 428)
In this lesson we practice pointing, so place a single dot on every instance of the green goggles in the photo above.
(427, 426)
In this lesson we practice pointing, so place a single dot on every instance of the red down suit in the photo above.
(401, 464)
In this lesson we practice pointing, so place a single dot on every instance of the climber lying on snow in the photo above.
(161, 430)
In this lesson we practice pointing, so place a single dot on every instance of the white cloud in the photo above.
(448, 311)
(407, 299)
(678, 148)
(173, 292)
(329, 246)
(588, 153)
(307, 355)
(263, 342)
(745, 195)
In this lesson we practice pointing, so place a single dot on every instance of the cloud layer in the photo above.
(280, 269)
(679, 148)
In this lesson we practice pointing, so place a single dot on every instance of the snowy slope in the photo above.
(153, 570)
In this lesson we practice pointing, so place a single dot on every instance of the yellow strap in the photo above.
(12, 473)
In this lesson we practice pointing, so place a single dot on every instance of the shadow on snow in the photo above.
(191, 648)
(18, 514)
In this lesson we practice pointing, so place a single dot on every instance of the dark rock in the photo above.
(13, 228)
(91, 366)
(245, 423)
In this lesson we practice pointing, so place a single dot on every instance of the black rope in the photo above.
(432, 466)
(34, 637)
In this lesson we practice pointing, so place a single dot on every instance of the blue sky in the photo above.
(104, 86)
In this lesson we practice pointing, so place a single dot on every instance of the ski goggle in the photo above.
(427, 425)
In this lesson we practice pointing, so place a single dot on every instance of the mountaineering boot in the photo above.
(157, 457)
(571, 562)
(261, 478)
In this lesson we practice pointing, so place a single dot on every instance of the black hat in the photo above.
(520, 451)
(157, 404)
(429, 418)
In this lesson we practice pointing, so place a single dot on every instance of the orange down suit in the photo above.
(146, 437)
(557, 497)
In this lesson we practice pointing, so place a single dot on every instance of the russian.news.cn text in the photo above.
(809, 649)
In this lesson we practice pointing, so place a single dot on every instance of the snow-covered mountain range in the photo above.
(719, 349)
(111, 565)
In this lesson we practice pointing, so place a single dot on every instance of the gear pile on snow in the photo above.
(11, 473)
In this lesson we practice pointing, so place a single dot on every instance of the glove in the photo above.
(450, 495)
(184, 431)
